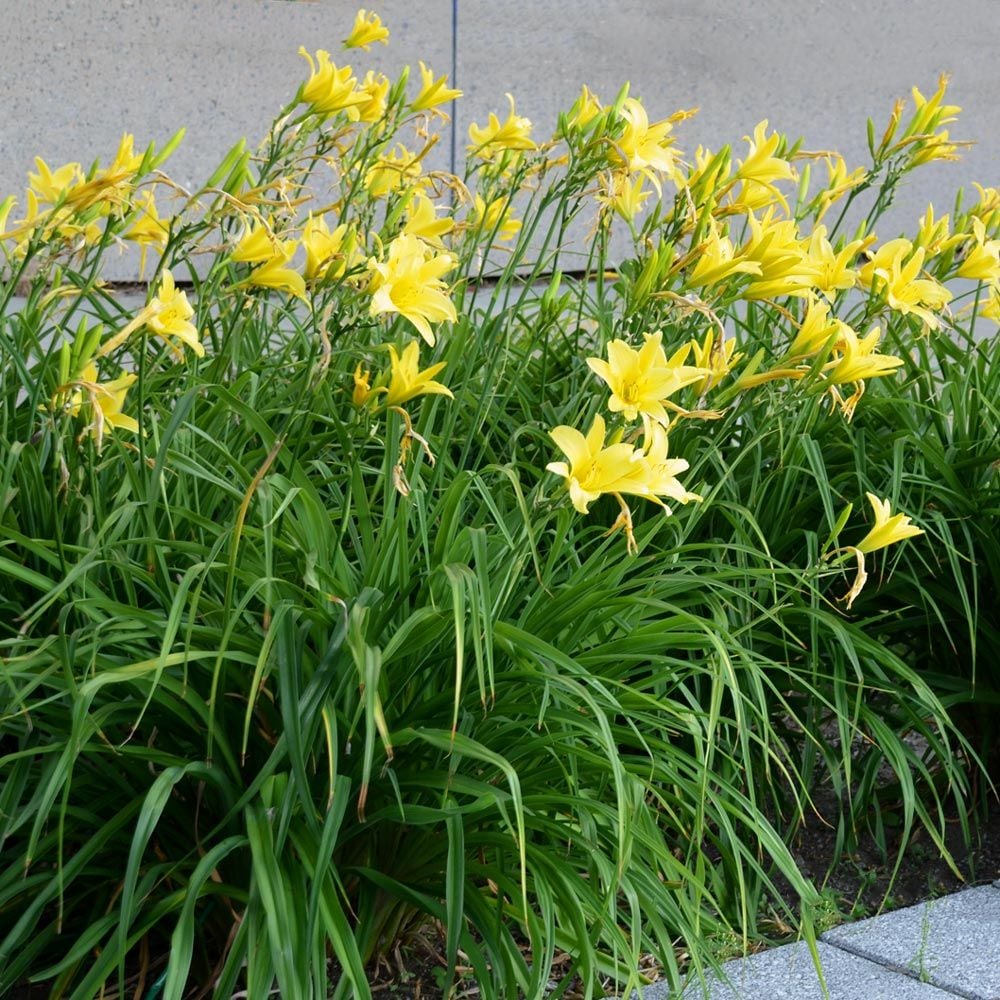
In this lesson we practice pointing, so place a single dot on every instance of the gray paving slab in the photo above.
(788, 973)
(75, 74)
(953, 942)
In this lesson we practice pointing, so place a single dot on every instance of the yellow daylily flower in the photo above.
(275, 273)
(717, 357)
(585, 109)
(935, 235)
(716, 260)
(936, 147)
(988, 207)
(322, 246)
(982, 258)
(831, 269)
(108, 188)
(106, 401)
(752, 196)
(407, 381)
(423, 221)
(761, 164)
(929, 113)
(855, 360)
(871, 271)
(641, 380)
(594, 469)
(170, 317)
(662, 479)
(622, 194)
(785, 267)
(126, 160)
(858, 358)
(494, 218)
(648, 149)
(148, 229)
(5, 209)
(839, 182)
(408, 282)
(392, 171)
(989, 308)
(362, 391)
(888, 528)
(906, 293)
(433, 92)
(368, 28)
(496, 137)
(258, 244)
(708, 176)
(375, 88)
(816, 331)
(328, 88)
(51, 185)
(762, 167)
(920, 137)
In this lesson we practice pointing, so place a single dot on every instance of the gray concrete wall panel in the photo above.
(75, 74)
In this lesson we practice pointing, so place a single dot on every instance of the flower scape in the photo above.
(405, 582)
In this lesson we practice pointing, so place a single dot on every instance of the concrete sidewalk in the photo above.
(948, 947)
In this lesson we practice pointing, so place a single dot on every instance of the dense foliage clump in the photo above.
(408, 568)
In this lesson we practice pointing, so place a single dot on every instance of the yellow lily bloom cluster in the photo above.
(270, 256)
(851, 359)
(641, 382)
(893, 272)
(394, 171)
(168, 315)
(65, 205)
(736, 234)
(595, 468)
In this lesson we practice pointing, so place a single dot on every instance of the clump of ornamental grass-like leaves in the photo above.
(393, 580)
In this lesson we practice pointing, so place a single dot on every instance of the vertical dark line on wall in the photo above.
(454, 78)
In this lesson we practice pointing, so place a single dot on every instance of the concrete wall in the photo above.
(76, 73)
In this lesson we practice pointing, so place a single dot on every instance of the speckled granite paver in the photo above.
(953, 942)
(944, 948)
(788, 973)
